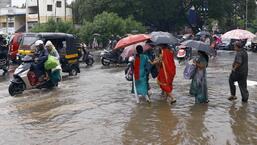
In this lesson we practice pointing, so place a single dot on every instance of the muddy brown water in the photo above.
(96, 107)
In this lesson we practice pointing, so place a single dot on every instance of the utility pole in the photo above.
(65, 10)
(246, 13)
(38, 16)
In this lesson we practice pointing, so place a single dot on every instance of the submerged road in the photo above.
(96, 107)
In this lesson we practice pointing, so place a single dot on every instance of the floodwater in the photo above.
(96, 107)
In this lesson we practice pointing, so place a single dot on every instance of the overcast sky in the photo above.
(20, 2)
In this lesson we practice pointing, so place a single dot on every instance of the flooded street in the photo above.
(96, 107)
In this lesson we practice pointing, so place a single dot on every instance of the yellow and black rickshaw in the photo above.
(67, 45)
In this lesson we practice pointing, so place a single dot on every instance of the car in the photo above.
(14, 43)
(225, 45)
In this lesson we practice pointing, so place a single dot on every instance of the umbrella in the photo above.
(160, 37)
(238, 34)
(199, 45)
(201, 33)
(132, 39)
(130, 50)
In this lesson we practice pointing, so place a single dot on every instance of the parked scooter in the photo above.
(24, 78)
(87, 57)
(111, 57)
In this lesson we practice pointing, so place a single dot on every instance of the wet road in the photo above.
(97, 108)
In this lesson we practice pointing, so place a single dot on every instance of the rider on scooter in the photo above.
(41, 56)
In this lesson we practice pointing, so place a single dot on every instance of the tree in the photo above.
(53, 26)
(108, 25)
(166, 15)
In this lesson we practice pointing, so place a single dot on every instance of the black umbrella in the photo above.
(163, 38)
(200, 46)
(201, 33)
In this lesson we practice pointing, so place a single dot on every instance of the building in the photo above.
(12, 20)
(5, 3)
(40, 11)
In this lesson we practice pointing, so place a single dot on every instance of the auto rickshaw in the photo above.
(67, 45)
(254, 44)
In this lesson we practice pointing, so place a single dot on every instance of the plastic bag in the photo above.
(189, 71)
(51, 63)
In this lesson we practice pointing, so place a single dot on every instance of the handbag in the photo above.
(189, 70)
(129, 73)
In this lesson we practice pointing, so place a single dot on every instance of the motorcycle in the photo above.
(24, 78)
(4, 62)
(111, 57)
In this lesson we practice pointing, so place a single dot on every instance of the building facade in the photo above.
(12, 20)
(40, 11)
(5, 3)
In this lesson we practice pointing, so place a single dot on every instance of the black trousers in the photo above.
(242, 82)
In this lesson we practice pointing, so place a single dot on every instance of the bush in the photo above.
(53, 26)
(108, 25)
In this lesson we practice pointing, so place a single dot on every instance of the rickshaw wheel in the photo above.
(73, 72)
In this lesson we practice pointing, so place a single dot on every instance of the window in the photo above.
(10, 24)
(49, 8)
(58, 19)
(58, 4)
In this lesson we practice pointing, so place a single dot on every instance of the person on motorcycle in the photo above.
(51, 50)
(54, 74)
(3, 53)
(41, 55)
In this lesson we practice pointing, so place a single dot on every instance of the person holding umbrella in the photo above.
(141, 64)
(198, 87)
(167, 72)
(239, 73)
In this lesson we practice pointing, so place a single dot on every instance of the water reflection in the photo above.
(152, 124)
(243, 124)
(196, 131)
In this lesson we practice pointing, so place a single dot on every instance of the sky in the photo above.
(20, 2)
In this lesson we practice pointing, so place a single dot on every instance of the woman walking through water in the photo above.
(167, 72)
(198, 87)
(141, 64)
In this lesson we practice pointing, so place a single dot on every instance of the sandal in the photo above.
(231, 98)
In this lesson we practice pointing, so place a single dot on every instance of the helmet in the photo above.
(39, 42)
(181, 53)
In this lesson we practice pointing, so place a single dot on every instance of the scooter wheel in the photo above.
(105, 63)
(14, 89)
(90, 61)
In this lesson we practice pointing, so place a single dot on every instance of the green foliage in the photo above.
(53, 26)
(107, 25)
(252, 26)
(166, 15)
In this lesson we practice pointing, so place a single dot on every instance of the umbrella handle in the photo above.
(135, 89)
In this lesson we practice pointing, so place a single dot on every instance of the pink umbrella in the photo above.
(238, 34)
(131, 50)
